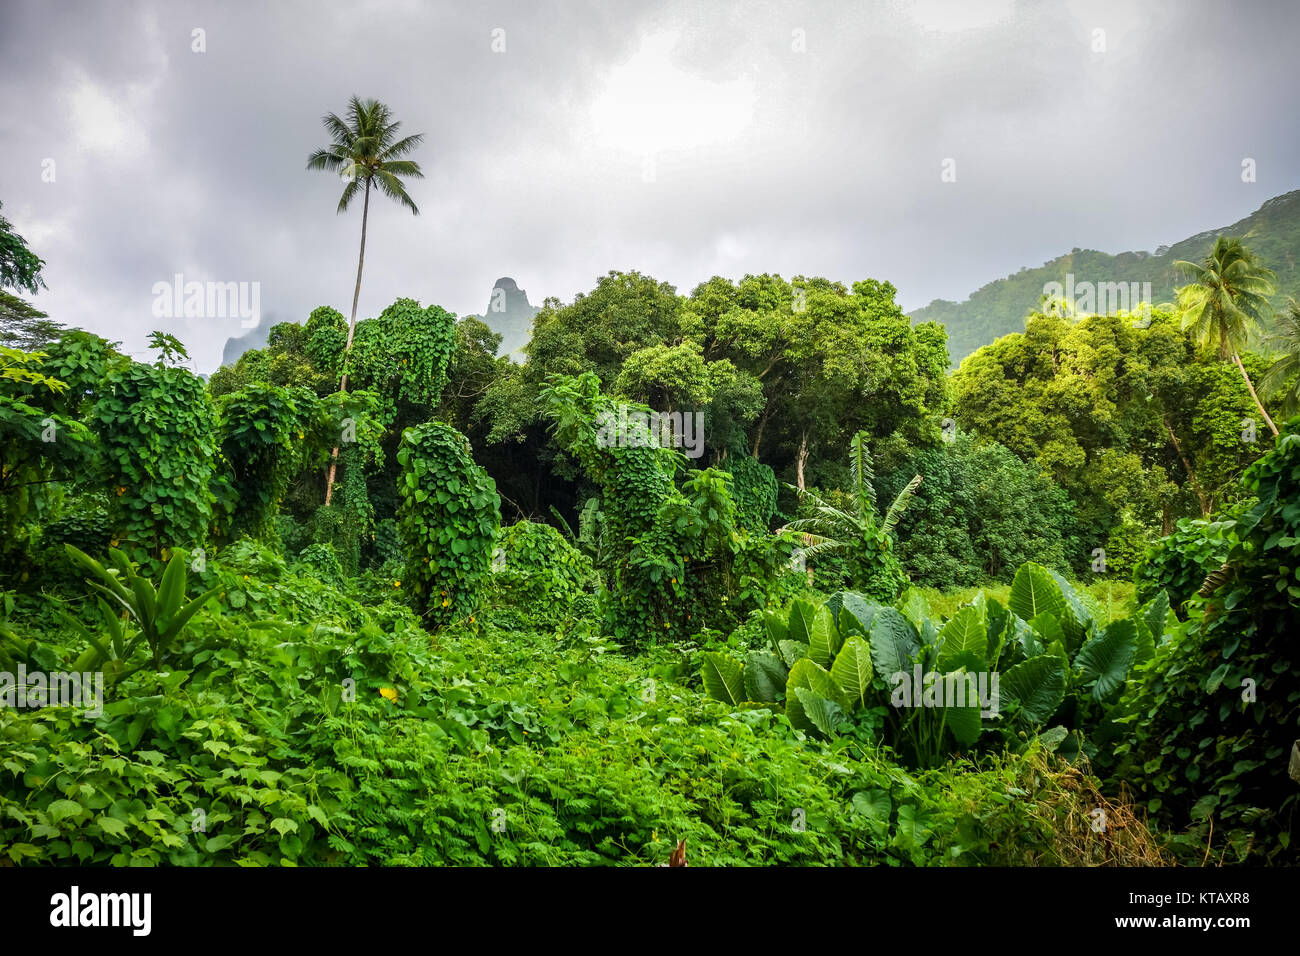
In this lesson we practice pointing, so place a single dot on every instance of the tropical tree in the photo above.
(865, 539)
(1283, 376)
(366, 152)
(22, 325)
(1227, 301)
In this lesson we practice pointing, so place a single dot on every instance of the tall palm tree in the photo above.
(365, 150)
(1226, 302)
(1286, 339)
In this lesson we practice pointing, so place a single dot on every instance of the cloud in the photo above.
(797, 137)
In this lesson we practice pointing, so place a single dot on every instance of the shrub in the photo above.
(538, 571)
(1213, 720)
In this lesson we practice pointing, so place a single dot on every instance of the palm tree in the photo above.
(1286, 339)
(366, 152)
(1227, 301)
(857, 530)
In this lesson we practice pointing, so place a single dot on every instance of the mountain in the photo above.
(254, 338)
(510, 315)
(1272, 231)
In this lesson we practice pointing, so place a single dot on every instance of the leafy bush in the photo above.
(836, 665)
(260, 431)
(537, 570)
(449, 518)
(1212, 721)
(1180, 562)
(979, 514)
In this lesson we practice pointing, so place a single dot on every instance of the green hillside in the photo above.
(1000, 307)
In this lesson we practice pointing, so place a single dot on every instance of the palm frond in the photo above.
(900, 504)
(863, 473)
(393, 189)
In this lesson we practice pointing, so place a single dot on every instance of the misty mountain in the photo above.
(510, 315)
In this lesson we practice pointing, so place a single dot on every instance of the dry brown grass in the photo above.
(1067, 799)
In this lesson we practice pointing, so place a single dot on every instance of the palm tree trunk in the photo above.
(352, 325)
(1251, 385)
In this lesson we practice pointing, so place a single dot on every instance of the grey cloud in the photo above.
(837, 174)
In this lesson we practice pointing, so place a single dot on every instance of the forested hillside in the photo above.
(1001, 306)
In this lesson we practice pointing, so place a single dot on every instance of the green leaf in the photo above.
(894, 643)
(1106, 658)
(1077, 621)
(792, 651)
(111, 825)
(824, 641)
(964, 722)
(913, 827)
(774, 622)
(964, 642)
(1033, 591)
(1155, 612)
(800, 622)
(853, 612)
(723, 678)
(1048, 629)
(1037, 685)
(218, 843)
(875, 805)
(808, 673)
(852, 670)
(764, 677)
(810, 711)
(914, 606)
(283, 825)
(63, 809)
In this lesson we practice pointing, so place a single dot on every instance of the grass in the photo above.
(1112, 598)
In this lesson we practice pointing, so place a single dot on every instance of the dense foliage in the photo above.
(320, 643)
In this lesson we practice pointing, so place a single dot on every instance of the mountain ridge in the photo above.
(999, 307)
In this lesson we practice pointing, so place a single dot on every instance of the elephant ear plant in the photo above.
(161, 614)
(819, 665)
(1044, 661)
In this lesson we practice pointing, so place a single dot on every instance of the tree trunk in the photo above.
(352, 325)
(758, 435)
(800, 459)
(1251, 385)
(1200, 495)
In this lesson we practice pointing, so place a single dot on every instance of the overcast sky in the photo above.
(680, 139)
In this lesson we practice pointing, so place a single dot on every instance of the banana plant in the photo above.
(162, 613)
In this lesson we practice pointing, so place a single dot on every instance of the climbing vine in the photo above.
(674, 560)
(754, 487)
(261, 430)
(448, 519)
(155, 426)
